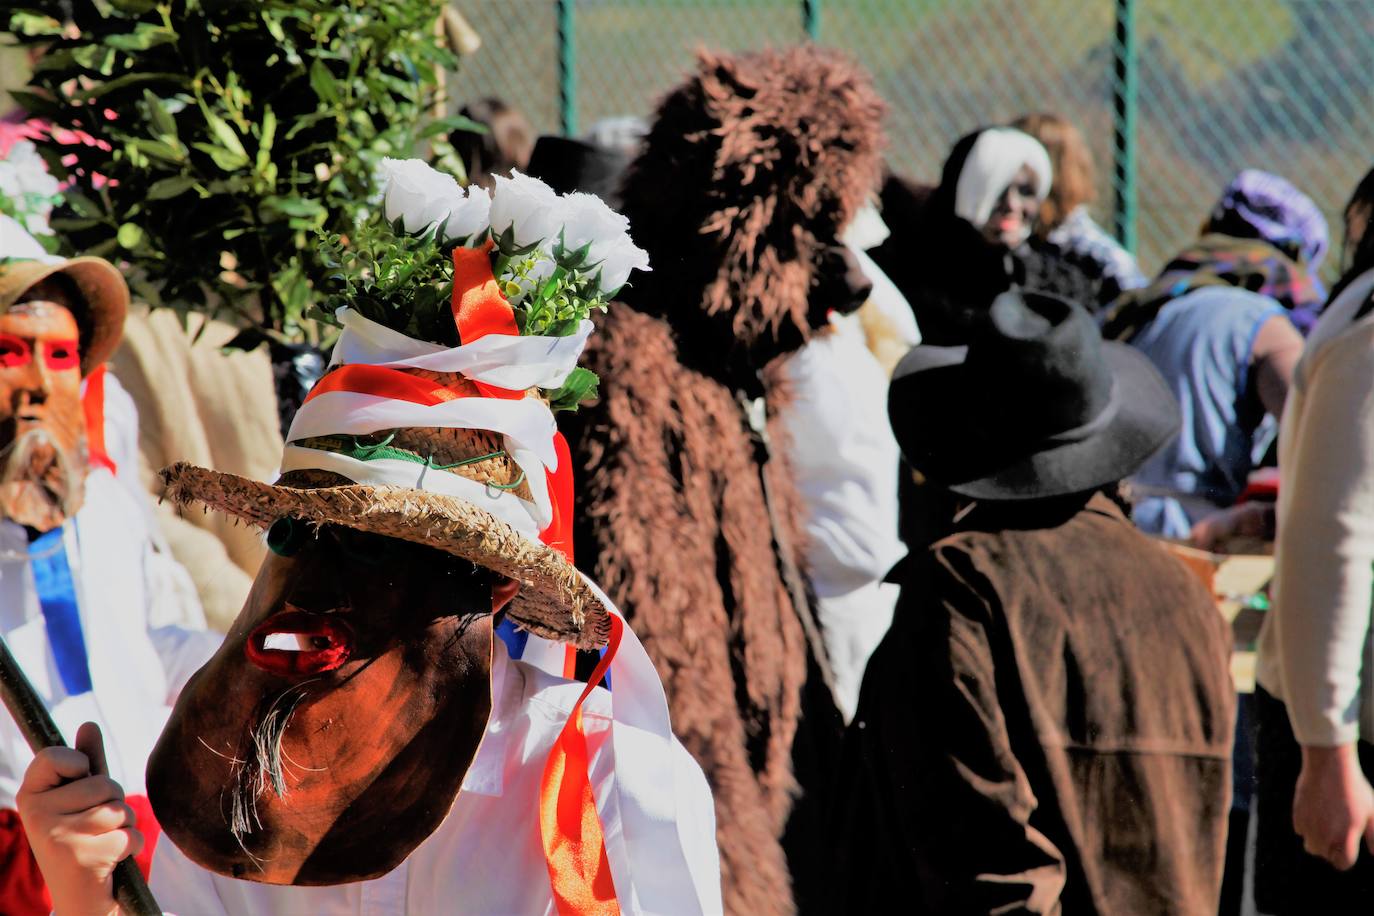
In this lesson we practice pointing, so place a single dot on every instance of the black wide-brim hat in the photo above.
(1036, 406)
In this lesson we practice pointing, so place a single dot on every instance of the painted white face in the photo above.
(1013, 215)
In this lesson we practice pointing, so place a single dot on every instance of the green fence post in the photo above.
(1125, 98)
(811, 19)
(567, 68)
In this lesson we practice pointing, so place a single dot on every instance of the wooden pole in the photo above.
(39, 730)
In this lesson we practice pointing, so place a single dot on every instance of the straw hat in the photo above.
(554, 601)
(101, 286)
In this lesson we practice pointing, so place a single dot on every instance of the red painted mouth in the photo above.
(295, 643)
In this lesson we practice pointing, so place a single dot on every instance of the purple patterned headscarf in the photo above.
(1276, 211)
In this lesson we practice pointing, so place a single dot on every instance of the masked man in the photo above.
(79, 604)
(395, 722)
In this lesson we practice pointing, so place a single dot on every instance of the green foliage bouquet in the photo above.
(227, 135)
(554, 259)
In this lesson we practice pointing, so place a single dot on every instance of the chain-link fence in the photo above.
(1175, 96)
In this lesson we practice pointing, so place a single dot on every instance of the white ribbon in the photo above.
(503, 360)
(527, 423)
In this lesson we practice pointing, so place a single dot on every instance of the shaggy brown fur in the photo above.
(753, 166)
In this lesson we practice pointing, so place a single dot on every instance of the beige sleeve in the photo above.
(1325, 554)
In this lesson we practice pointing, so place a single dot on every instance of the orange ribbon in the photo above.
(479, 308)
(361, 378)
(93, 410)
(574, 847)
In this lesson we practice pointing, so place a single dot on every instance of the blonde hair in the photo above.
(1075, 177)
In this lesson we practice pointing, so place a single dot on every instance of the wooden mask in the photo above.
(42, 427)
(329, 735)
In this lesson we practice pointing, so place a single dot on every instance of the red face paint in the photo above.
(61, 354)
(325, 643)
(14, 351)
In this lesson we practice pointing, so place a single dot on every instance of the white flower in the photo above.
(617, 260)
(468, 215)
(587, 219)
(27, 191)
(30, 173)
(417, 194)
(528, 205)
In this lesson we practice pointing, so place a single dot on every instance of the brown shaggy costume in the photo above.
(752, 167)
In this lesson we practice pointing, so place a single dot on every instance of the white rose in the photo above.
(468, 215)
(417, 194)
(617, 260)
(528, 205)
(587, 219)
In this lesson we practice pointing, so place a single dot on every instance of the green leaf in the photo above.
(227, 160)
(83, 205)
(295, 206)
(224, 133)
(306, 122)
(580, 385)
(33, 24)
(322, 81)
(73, 225)
(144, 36)
(450, 124)
(92, 57)
(163, 123)
(168, 188)
(158, 149)
(129, 79)
(266, 134)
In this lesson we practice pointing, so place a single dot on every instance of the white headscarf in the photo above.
(993, 161)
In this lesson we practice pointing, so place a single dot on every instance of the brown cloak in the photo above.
(753, 166)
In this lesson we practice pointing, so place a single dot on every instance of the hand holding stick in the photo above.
(39, 730)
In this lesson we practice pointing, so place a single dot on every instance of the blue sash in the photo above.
(57, 597)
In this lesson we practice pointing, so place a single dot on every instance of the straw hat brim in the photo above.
(553, 602)
(101, 285)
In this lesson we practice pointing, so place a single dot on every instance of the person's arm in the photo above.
(973, 817)
(1274, 356)
(1325, 570)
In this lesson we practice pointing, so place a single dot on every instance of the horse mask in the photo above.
(330, 733)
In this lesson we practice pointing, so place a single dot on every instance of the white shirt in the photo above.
(845, 459)
(136, 669)
(1315, 651)
(656, 811)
